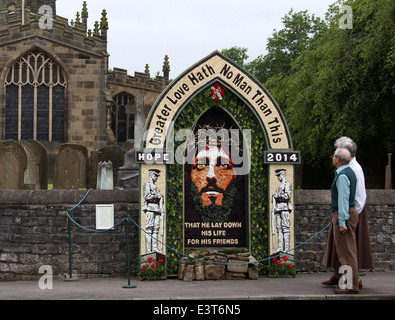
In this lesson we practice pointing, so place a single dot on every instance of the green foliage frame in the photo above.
(257, 181)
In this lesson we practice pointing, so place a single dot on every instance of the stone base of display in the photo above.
(218, 264)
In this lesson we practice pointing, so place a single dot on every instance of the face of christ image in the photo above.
(212, 173)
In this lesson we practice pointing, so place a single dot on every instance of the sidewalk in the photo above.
(377, 286)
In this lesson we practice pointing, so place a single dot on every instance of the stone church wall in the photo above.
(85, 62)
(83, 56)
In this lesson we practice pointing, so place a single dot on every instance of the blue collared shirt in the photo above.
(343, 187)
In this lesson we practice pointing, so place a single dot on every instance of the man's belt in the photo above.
(154, 201)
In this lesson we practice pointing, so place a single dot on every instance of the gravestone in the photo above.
(216, 169)
(128, 174)
(13, 163)
(36, 174)
(31, 176)
(71, 167)
(112, 153)
(43, 167)
(105, 180)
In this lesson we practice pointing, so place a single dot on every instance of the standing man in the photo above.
(153, 208)
(365, 260)
(281, 212)
(341, 249)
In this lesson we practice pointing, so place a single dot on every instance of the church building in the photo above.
(55, 82)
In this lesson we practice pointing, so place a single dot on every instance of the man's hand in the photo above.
(343, 229)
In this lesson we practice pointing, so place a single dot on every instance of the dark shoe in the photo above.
(333, 281)
(345, 291)
(360, 284)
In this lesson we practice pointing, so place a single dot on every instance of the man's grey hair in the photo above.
(347, 143)
(343, 154)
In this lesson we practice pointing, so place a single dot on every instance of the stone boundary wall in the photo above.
(312, 213)
(33, 232)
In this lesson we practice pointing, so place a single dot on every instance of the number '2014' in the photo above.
(281, 157)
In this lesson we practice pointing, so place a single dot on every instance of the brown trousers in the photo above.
(365, 260)
(343, 250)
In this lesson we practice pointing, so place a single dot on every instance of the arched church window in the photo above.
(122, 119)
(35, 98)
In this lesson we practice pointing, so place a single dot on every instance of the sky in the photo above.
(144, 31)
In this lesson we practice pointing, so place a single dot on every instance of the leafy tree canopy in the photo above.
(332, 81)
(237, 54)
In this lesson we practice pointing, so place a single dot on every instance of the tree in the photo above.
(332, 81)
(345, 84)
(237, 54)
(300, 32)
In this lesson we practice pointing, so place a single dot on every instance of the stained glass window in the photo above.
(35, 99)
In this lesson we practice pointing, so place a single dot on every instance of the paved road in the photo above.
(377, 286)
